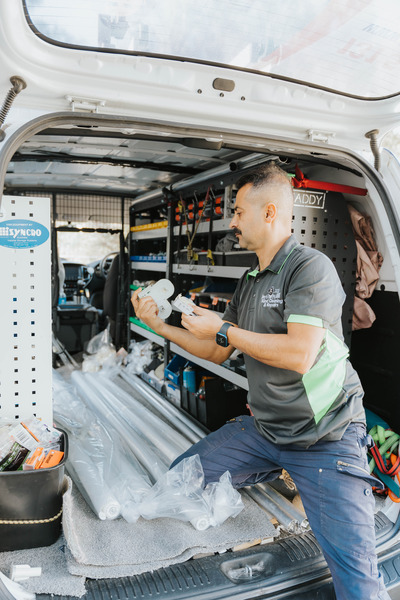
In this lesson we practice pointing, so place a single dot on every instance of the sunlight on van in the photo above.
(359, 44)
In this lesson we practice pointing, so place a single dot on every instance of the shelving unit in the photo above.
(223, 372)
(213, 271)
(219, 370)
(148, 266)
(218, 226)
(150, 234)
(231, 385)
(150, 335)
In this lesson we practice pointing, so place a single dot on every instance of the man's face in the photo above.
(248, 221)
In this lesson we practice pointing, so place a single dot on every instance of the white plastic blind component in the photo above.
(91, 484)
(160, 291)
(148, 423)
(25, 308)
(140, 448)
(173, 414)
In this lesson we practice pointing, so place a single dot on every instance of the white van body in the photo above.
(324, 96)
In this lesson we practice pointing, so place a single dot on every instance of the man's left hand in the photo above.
(204, 325)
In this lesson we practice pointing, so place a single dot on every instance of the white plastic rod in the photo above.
(170, 411)
(158, 427)
(151, 461)
(91, 484)
(165, 445)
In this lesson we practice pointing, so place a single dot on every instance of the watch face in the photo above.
(222, 339)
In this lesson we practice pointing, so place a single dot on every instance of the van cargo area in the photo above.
(171, 205)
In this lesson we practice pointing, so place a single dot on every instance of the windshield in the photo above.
(349, 46)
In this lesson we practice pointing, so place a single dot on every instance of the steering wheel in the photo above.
(106, 262)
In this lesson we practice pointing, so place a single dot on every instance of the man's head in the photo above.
(263, 207)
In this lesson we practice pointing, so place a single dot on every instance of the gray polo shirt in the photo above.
(300, 285)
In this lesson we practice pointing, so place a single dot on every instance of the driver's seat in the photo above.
(111, 294)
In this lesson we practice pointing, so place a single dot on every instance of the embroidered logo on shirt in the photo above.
(272, 299)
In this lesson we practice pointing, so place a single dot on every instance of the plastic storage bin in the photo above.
(174, 369)
(31, 506)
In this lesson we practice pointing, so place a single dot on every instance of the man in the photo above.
(285, 316)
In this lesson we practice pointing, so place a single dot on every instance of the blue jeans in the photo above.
(334, 484)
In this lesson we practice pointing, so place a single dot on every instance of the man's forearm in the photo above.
(295, 350)
(206, 349)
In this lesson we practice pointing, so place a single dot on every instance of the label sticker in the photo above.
(21, 233)
(311, 199)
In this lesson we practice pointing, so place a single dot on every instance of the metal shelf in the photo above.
(219, 370)
(149, 266)
(218, 225)
(214, 368)
(213, 271)
(149, 234)
(150, 335)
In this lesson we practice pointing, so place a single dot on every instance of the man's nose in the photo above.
(232, 223)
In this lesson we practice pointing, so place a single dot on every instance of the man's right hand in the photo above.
(147, 311)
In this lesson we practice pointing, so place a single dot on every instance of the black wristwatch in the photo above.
(221, 337)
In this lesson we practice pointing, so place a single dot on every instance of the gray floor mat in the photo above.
(108, 549)
(103, 549)
(55, 578)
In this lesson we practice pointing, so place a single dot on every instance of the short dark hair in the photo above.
(267, 173)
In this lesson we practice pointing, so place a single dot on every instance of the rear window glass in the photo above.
(84, 248)
(350, 46)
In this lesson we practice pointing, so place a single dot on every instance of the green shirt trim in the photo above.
(283, 264)
(324, 381)
(306, 320)
(253, 273)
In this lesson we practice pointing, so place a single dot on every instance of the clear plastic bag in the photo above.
(180, 494)
(101, 354)
(224, 501)
(107, 478)
(98, 341)
(140, 355)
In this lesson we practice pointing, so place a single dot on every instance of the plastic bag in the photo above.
(102, 354)
(180, 494)
(224, 501)
(98, 341)
(140, 355)
(107, 477)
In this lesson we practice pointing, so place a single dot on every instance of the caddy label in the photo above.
(21, 233)
(312, 199)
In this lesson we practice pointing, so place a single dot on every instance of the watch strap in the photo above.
(224, 328)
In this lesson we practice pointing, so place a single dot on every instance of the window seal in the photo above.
(183, 59)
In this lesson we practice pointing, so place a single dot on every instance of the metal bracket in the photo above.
(320, 136)
(91, 105)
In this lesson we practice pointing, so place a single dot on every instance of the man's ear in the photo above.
(270, 212)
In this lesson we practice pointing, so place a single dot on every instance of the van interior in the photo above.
(118, 183)
(106, 181)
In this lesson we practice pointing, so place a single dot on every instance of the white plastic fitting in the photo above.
(160, 291)
(183, 304)
(22, 572)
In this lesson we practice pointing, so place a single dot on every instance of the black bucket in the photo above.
(31, 506)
